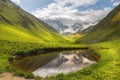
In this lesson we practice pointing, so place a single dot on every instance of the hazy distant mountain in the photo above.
(77, 26)
(56, 24)
(65, 29)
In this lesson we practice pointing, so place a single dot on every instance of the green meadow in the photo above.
(21, 33)
(107, 68)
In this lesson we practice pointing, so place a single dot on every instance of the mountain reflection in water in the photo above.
(64, 63)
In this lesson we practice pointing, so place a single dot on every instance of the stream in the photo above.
(51, 64)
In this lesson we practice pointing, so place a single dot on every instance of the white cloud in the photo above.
(75, 3)
(16, 1)
(116, 3)
(66, 12)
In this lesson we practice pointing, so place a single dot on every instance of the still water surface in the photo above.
(51, 64)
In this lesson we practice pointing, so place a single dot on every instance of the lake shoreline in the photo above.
(44, 51)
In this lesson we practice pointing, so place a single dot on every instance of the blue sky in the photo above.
(69, 12)
(30, 5)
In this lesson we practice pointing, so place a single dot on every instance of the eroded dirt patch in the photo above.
(10, 76)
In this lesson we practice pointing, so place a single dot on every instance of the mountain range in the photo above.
(18, 25)
(63, 28)
(106, 29)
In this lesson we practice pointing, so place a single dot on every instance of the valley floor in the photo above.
(108, 68)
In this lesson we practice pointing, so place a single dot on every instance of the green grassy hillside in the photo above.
(106, 29)
(18, 25)
(21, 32)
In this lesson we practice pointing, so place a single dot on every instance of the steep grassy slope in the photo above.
(106, 29)
(18, 25)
